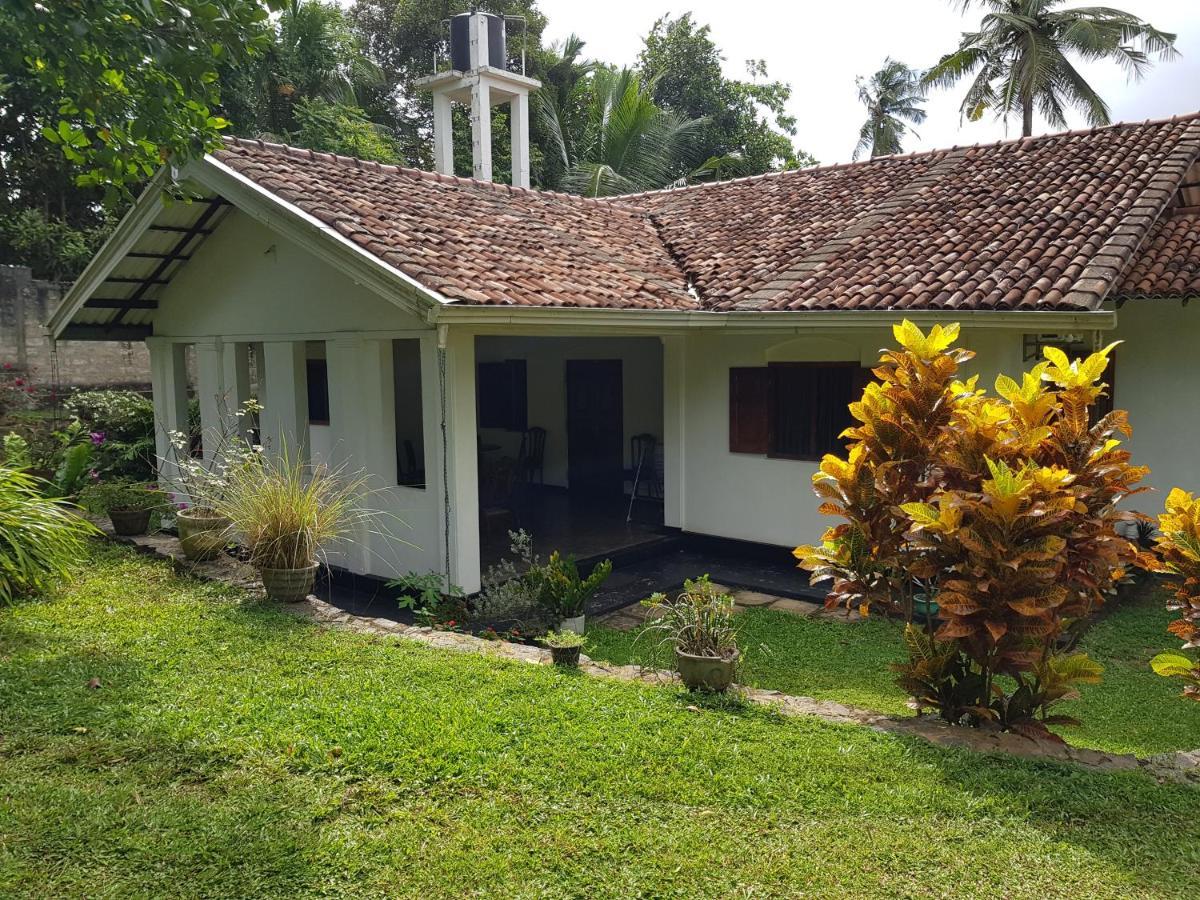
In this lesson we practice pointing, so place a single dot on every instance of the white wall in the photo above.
(751, 497)
(546, 381)
(1156, 382)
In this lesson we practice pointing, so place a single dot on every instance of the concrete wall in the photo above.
(1155, 380)
(752, 497)
(25, 303)
(546, 379)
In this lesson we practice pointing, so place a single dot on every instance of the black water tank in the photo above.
(460, 42)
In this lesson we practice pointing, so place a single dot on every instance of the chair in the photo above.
(496, 495)
(643, 470)
(531, 458)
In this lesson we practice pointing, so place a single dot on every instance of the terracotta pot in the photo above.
(201, 537)
(129, 522)
(565, 657)
(712, 673)
(289, 585)
(574, 624)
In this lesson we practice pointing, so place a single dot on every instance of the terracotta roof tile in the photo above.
(1051, 222)
(1168, 264)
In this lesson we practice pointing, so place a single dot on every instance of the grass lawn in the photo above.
(233, 751)
(1132, 711)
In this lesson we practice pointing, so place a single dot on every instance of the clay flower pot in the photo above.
(201, 537)
(289, 585)
(711, 673)
(129, 522)
(565, 657)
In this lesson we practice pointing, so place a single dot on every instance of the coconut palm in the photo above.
(1020, 58)
(893, 97)
(624, 142)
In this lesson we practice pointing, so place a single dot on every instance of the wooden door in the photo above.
(595, 438)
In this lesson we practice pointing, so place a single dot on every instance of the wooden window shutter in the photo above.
(749, 403)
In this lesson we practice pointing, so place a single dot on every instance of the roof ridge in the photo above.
(411, 172)
(898, 157)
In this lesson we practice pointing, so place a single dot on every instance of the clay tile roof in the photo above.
(1046, 222)
(1168, 263)
(473, 241)
(1051, 222)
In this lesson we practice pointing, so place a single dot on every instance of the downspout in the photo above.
(441, 361)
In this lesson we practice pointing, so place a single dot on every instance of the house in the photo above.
(416, 324)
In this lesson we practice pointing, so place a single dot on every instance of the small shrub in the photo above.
(123, 422)
(699, 621)
(1176, 554)
(563, 639)
(430, 596)
(39, 538)
(562, 591)
(104, 496)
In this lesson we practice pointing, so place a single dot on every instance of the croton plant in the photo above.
(1176, 554)
(991, 517)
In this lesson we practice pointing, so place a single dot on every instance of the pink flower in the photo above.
(98, 437)
(181, 506)
(19, 382)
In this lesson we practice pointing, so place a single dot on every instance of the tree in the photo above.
(626, 143)
(314, 55)
(683, 64)
(119, 86)
(893, 97)
(1020, 58)
(340, 128)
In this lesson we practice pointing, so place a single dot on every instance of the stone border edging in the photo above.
(1178, 766)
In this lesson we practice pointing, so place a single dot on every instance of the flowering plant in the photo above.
(15, 389)
(202, 483)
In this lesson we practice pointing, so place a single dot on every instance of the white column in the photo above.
(235, 364)
(443, 134)
(210, 391)
(362, 418)
(481, 130)
(674, 410)
(462, 454)
(518, 120)
(168, 378)
(285, 404)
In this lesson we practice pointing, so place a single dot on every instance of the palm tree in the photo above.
(622, 142)
(893, 97)
(1019, 58)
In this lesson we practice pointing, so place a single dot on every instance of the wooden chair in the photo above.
(531, 458)
(643, 470)
(496, 496)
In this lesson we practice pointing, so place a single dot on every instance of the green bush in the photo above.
(39, 538)
(104, 496)
(121, 426)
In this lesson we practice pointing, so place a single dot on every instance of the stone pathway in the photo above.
(1179, 766)
(632, 616)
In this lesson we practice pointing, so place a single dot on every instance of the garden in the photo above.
(989, 576)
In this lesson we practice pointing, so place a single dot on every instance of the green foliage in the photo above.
(937, 676)
(745, 122)
(1019, 59)
(102, 497)
(563, 639)
(563, 592)
(624, 142)
(40, 538)
(52, 248)
(123, 423)
(340, 128)
(699, 621)
(894, 99)
(430, 596)
(120, 85)
(16, 451)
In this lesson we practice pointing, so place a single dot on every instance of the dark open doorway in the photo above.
(595, 420)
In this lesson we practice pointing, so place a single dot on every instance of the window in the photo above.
(318, 391)
(502, 398)
(410, 421)
(792, 410)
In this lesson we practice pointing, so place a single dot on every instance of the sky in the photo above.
(819, 48)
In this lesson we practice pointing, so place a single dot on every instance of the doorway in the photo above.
(595, 419)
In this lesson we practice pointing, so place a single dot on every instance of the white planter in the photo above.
(574, 624)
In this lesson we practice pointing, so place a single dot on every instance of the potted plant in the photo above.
(699, 625)
(565, 594)
(202, 481)
(287, 513)
(128, 504)
(564, 648)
